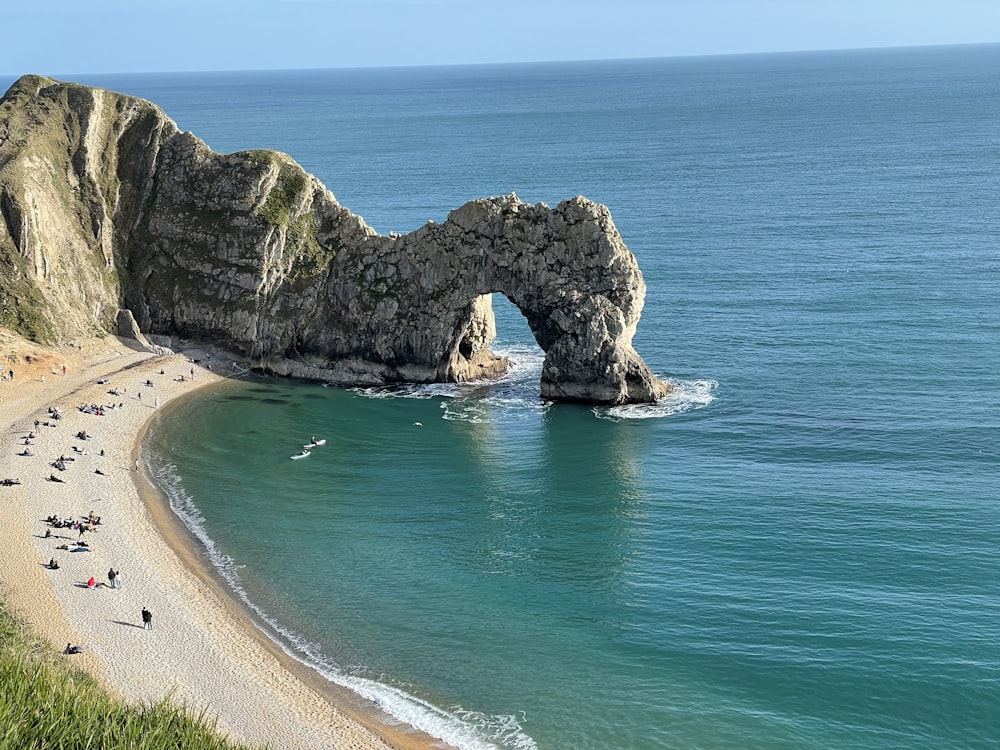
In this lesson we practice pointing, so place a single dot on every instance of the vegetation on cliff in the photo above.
(21, 303)
(46, 703)
(106, 206)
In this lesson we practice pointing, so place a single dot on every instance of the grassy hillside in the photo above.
(47, 703)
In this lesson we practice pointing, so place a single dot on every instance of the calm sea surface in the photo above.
(799, 549)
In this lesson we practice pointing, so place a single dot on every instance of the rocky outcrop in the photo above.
(106, 205)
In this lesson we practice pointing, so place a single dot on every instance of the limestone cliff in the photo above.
(106, 206)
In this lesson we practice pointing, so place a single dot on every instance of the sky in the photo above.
(61, 38)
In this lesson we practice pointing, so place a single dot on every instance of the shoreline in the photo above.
(207, 649)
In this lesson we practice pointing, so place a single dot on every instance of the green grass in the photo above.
(47, 703)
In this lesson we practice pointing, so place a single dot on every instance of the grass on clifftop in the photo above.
(46, 703)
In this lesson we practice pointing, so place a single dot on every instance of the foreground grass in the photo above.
(47, 703)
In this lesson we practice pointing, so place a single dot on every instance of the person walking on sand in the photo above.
(111, 578)
(147, 619)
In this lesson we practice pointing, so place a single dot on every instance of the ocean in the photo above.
(798, 549)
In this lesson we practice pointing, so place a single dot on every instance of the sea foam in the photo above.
(460, 728)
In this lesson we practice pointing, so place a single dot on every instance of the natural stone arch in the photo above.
(569, 273)
(250, 253)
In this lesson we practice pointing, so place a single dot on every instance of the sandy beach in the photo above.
(202, 649)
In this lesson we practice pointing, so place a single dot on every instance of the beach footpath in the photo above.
(89, 545)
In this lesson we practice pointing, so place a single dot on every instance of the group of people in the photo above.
(83, 524)
(98, 409)
(114, 579)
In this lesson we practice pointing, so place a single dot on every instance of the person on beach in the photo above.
(118, 579)
(53, 565)
(111, 578)
(92, 583)
(147, 619)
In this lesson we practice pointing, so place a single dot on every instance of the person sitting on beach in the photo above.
(54, 478)
(98, 471)
(48, 533)
(73, 649)
(53, 565)
(92, 583)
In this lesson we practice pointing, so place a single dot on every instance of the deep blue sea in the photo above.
(799, 549)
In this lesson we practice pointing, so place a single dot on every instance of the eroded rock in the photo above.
(106, 205)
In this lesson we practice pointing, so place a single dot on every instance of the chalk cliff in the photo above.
(106, 206)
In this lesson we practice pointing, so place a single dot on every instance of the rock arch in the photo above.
(249, 252)
(569, 273)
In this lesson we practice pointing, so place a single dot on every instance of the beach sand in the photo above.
(203, 649)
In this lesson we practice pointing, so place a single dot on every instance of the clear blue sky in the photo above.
(65, 37)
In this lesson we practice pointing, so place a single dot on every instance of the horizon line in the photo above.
(15, 77)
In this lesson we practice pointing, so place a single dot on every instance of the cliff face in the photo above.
(107, 205)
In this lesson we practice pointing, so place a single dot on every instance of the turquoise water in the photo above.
(797, 550)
